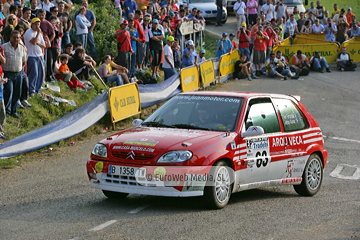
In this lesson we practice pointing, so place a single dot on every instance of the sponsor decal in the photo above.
(287, 141)
(291, 180)
(258, 148)
(289, 168)
(99, 167)
(135, 148)
(143, 142)
(209, 98)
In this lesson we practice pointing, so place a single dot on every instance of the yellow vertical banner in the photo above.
(124, 101)
(189, 79)
(227, 62)
(207, 72)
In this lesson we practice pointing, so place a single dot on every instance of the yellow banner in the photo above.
(227, 62)
(189, 79)
(353, 49)
(124, 102)
(207, 72)
(327, 50)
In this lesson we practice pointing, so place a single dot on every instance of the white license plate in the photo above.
(127, 171)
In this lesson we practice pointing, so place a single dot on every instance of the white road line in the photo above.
(336, 172)
(104, 225)
(343, 139)
(136, 210)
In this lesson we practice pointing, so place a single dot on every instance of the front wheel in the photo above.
(312, 177)
(217, 194)
(114, 195)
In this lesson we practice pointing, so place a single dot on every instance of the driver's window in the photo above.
(261, 113)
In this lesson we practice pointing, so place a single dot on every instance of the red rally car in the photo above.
(213, 144)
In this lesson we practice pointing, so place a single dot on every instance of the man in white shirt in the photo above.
(269, 10)
(168, 64)
(344, 63)
(201, 57)
(34, 42)
(240, 9)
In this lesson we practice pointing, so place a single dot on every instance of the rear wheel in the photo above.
(217, 194)
(311, 178)
(115, 195)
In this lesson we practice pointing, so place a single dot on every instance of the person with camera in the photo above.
(224, 45)
(243, 69)
(276, 68)
(330, 31)
(355, 30)
(244, 40)
(300, 64)
(271, 34)
(318, 63)
(344, 63)
(260, 39)
(342, 28)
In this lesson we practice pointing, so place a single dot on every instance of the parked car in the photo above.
(292, 3)
(208, 8)
(212, 144)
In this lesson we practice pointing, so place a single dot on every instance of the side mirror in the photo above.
(253, 131)
(306, 2)
(137, 122)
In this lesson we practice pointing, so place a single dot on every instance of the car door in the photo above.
(260, 155)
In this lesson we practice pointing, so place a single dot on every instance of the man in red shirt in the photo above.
(124, 45)
(244, 41)
(260, 39)
(140, 45)
(271, 34)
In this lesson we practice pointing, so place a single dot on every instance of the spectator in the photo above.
(282, 66)
(312, 10)
(244, 41)
(355, 30)
(306, 28)
(243, 69)
(33, 7)
(318, 28)
(219, 7)
(134, 36)
(233, 43)
(92, 19)
(144, 10)
(341, 14)
(344, 63)
(79, 65)
(189, 55)
(341, 33)
(14, 9)
(11, 23)
(66, 23)
(82, 24)
(269, 10)
(110, 76)
(224, 45)
(54, 50)
(2, 16)
(336, 11)
(330, 31)
(277, 39)
(297, 13)
(320, 10)
(259, 38)
(349, 15)
(291, 27)
(35, 44)
(156, 36)
(168, 64)
(280, 25)
(16, 56)
(240, 10)
(46, 5)
(300, 22)
(201, 57)
(25, 19)
(146, 27)
(300, 64)
(252, 7)
(123, 45)
(318, 63)
(68, 49)
(312, 18)
(140, 44)
(2, 105)
(276, 68)
(6, 7)
(269, 43)
(130, 6)
(325, 19)
(281, 9)
(177, 54)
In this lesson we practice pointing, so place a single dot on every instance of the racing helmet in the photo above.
(204, 111)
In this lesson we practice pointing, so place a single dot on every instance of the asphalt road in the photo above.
(50, 198)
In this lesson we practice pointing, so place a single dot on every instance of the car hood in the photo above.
(148, 144)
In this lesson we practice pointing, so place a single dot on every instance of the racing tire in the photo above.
(312, 177)
(217, 193)
(114, 195)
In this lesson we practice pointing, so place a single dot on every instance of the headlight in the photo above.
(175, 156)
(100, 150)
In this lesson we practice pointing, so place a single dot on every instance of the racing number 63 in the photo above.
(261, 159)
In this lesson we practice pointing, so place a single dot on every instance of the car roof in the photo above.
(244, 95)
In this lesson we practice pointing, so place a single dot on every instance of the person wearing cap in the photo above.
(244, 40)
(318, 63)
(224, 46)
(355, 30)
(35, 44)
(189, 55)
(156, 36)
(349, 14)
(330, 31)
(260, 39)
(16, 56)
(344, 62)
(201, 57)
(144, 10)
(252, 7)
(300, 64)
(233, 43)
(240, 11)
(276, 69)
(124, 45)
(317, 28)
(130, 6)
(168, 64)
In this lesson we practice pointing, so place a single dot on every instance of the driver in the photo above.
(207, 117)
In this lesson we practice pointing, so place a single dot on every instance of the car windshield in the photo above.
(293, 2)
(213, 113)
(202, 1)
